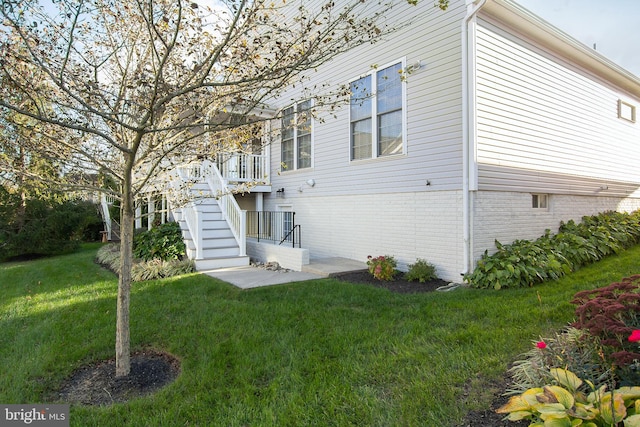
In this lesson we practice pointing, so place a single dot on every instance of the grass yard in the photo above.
(321, 352)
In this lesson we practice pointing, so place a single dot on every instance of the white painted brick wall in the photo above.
(411, 225)
(286, 256)
(507, 216)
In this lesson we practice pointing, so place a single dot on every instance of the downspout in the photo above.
(469, 183)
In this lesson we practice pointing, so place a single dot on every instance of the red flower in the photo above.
(635, 336)
(542, 345)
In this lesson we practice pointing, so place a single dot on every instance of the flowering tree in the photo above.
(123, 88)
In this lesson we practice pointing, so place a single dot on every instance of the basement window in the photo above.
(626, 111)
(540, 201)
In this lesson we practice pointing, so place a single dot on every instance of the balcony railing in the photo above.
(241, 167)
(276, 227)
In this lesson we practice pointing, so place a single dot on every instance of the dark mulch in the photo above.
(489, 417)
(399, 285)
(97, 384)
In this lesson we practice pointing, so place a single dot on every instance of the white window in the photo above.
(626, 111)
(296, 127)
(540, 201)
(377, 113)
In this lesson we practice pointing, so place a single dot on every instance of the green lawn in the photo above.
(321, 352)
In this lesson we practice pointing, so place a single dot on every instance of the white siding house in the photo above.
(504, 127)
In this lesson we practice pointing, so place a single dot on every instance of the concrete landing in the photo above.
(252, 277)
(328, 267)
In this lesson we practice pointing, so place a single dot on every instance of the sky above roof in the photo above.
(611, 25)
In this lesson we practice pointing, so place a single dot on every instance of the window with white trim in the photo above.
(296, 141)
(377, 113)
(540, 201)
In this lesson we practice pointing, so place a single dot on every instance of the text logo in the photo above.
(34, 415)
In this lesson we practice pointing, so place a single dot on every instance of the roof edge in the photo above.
(532, 26)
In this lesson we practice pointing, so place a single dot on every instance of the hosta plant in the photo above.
(566, 403)
(524, 263)
(382, 267)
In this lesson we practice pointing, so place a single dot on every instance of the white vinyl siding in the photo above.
(433, 115)
(543, 124)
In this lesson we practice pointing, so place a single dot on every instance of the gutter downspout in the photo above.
(469, 181)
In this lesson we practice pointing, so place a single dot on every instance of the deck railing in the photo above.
(240, 167)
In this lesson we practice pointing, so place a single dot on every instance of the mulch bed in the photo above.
(399, 285)
(97, 384)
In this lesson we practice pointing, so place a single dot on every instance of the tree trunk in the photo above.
(123, 347)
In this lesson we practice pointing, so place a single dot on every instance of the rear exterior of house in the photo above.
(556, 135)
(502, 128)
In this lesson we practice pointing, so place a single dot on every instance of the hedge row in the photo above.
(44, 227)
(525, 263)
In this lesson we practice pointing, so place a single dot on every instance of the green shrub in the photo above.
(525, 263)
(422, 271)
(44, 227)
(163, 242)
(382, 267)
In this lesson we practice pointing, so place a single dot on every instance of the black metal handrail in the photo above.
(278, 227)
(292, 236)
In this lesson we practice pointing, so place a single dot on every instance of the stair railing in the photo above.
(235, 217)
(186, 209)
(193, 218)
(106, 216)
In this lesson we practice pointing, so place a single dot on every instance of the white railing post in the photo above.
(243, 233)
(197, 237)
(151, 208)
(138, 220)
(106, 215)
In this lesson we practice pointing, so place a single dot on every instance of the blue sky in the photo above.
(611, 24)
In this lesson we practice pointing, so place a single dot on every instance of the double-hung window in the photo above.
(296, 126)
(377, 113)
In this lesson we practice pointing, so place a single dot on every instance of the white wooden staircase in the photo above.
(214, 228)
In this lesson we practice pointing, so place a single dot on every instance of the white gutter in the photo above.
(469, 181)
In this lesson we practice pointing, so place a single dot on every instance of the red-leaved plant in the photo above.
(611, 314)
